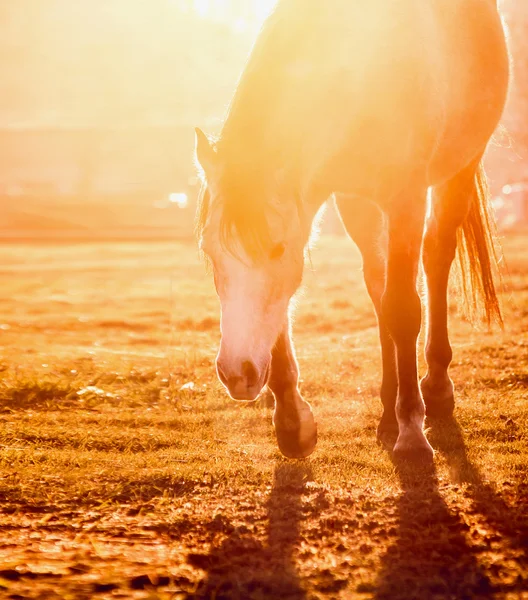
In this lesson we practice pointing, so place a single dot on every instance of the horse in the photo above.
(388, 107)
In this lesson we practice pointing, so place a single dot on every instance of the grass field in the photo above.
(126, 472)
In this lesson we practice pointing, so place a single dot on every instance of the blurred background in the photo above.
(99, 99)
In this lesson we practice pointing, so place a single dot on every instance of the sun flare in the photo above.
(166, 169)
(233, 9)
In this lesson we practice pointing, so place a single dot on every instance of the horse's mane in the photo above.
(249, 151)
(244, 220)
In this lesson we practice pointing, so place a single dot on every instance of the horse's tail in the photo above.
(477, 252)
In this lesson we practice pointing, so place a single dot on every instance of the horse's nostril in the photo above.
(250, 373)
(248, 376)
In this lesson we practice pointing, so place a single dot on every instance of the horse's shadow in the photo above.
(509, 520)
(434, 555)
(243, 567)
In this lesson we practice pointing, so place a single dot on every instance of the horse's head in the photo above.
(256, 252)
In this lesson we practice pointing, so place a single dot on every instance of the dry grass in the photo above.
(118, 480)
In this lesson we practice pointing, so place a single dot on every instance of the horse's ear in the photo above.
(205, 152)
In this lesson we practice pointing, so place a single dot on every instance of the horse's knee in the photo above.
(402, 310)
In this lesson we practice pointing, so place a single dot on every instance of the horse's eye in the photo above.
(277, 252)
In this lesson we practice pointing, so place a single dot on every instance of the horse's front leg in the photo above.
(293, 419)
(401, 308)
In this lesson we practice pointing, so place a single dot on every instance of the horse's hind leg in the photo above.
(401, 309)
(450, 205)
(365, 224)
(294, 423)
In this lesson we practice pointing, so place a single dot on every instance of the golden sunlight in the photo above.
(156, 426)
(180, 199)
(233, 9)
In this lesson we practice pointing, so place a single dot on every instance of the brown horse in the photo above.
(377, 103)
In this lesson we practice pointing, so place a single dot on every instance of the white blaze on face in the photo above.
(254, 302)
(254, 295)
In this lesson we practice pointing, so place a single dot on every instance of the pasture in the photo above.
(126, 471)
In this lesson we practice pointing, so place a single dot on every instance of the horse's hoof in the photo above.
(439, 398)
(293, 445)
(297, 438)
(422, 454)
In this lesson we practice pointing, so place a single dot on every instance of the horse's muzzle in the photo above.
(244, 384)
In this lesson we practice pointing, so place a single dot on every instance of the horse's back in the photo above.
(423, 89)
(359, 91)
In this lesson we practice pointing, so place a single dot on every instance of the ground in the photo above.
(126, 471)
